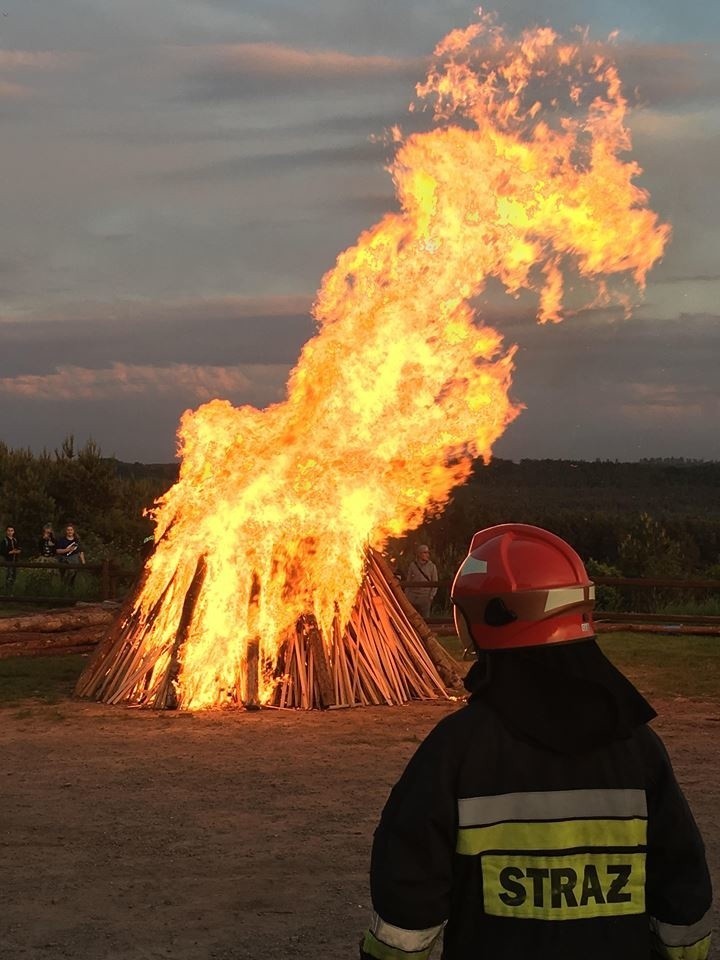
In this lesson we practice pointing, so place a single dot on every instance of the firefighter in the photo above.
(543, 819)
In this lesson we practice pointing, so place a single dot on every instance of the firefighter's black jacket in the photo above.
(511, 848)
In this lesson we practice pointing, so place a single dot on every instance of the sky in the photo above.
(178, 175)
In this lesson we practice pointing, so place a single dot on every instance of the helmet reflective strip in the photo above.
(564, 596)
(472, 565)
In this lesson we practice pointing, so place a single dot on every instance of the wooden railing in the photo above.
(110, 576)
(618, 616)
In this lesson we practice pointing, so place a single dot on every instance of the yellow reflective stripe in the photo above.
(543, 835)
(551, 805)
(383, 951)
(695, 951)
(571, 887)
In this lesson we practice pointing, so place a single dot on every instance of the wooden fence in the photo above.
(110, 578)
(619, 616)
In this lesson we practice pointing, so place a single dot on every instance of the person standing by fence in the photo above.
(69, 550)
(10, 552)
(421, 571)
(46, 543)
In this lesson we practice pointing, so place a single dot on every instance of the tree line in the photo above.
(653, 518)
(78, 485)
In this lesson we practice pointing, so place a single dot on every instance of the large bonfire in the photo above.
(263, 543)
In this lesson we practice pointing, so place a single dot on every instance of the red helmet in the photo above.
(521, 586)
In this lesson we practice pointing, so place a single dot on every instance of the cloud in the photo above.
(375, 25)
(37, 59)
(204, 332)
(373, 204)
(187, 308)
(274, 59)
(13, 91)
(626, 389)
(196, 383)
(244, 70)
(356, 154)
(666, 74)
(659, 75)
(696, 278)
(650, 400)
(30, 62)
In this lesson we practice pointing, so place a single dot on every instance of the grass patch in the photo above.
(48, 679)
(37, 582)
(670, 666)
(660, 665)
(452, 644)
(667, 666)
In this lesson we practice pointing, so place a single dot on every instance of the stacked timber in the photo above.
(384, 654)
(122, 669)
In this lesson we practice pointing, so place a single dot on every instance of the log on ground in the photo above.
(58, 621)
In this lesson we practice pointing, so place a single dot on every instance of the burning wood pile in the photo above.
(385, 654)
(522, 179)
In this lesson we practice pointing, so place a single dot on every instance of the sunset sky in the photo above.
(178, 175)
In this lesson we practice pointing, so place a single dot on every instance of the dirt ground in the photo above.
(136, 835)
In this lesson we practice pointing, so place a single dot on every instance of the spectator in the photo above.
(69, 550)
(46, 543)
(421, 571)
(10, 552)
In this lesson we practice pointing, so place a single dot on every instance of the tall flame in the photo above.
(520, 179)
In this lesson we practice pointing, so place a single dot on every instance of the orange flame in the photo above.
(520, 179)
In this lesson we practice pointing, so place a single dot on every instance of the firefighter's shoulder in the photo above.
(458, 730)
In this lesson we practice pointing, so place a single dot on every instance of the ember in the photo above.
(252, 591)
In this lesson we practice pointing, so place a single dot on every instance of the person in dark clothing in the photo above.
(543, 820)
(46, 543)
(10, 552)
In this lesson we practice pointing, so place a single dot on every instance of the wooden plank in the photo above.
(252, 675)
(166, 696)
(316, 644)
(444, 663)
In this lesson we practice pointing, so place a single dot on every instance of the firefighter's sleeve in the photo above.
(412, 856)
(678, 888)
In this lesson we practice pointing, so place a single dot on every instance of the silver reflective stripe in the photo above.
(471, 565)
(676, 935)
(551, 805)
(408, 940)
(564, 596)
